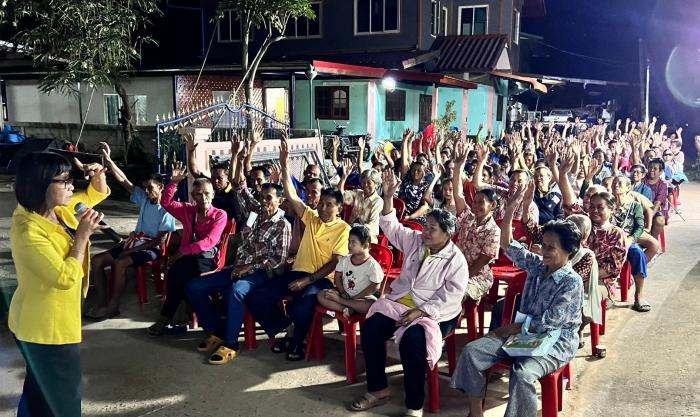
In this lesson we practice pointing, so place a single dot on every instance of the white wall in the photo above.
(26, 104)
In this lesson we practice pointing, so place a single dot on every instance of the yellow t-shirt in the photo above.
(45, 308)
(320, 242)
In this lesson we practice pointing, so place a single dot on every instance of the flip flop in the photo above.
(367, 401)
(641, 306)
(222, 356)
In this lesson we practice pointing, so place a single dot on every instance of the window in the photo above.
(305, 28)
(516, 27)
(473, 20)
(332, 103)
(438, 19)
(499, 109)
(395, 106)
(137, 103)
(376, 16)
(230, 28)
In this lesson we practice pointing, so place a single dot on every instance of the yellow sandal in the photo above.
(222, 356)
(209, 344)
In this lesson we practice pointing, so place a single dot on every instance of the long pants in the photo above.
(481, 354)
(233, 295)
(375, 332)
(52, 384)
(179, 274)
(262, 303)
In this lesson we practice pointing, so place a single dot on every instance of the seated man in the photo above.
(263, 250)
(143, 245)
(198, 253)
(325, 240)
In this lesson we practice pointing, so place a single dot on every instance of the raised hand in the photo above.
(348, 166)
(258, 134)
(551, 155)
(89, 170)
(106, 152)
(361, 142)
(336, 142)
(191, 145)
(408, 135)
(390, 183)
(515, 198)
(275, 174)
(482, 152)
(179, 172)
(438, 170)
(593, 168)
(460, 153)
(284, 149)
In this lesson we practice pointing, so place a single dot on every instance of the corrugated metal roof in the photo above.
(475, 53)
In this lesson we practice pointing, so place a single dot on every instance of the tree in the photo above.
(271, 15)
(443, 123)
(83, 41)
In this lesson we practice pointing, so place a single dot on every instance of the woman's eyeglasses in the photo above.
(66, 182)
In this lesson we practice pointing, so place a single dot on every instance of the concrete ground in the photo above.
(651, 368)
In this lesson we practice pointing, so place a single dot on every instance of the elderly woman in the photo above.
(552, 300)
(421, 307)
(478, 234)
(366, 203)
(50, 249)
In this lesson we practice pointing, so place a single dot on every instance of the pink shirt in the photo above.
(208, 232)
(437, 284)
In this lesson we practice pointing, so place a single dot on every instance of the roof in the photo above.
(390, 59)
(534, 83)
(475, 53)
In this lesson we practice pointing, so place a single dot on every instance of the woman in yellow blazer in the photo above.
(50, 249)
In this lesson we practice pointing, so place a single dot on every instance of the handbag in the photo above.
(531, 344)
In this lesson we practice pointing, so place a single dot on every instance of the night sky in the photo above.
(607, 31)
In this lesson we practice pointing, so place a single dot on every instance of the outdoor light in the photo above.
(389, 83)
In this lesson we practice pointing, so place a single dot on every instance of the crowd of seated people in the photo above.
(589, 200)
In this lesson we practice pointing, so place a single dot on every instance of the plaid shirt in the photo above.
(266, 244)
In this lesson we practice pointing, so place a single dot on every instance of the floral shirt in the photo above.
(553, 301)
(476, 240)
(412, 194)
(608, 244)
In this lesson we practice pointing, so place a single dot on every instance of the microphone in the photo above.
(80, 209)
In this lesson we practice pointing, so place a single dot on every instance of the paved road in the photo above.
(651, 369)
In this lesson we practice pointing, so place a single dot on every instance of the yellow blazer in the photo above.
(45, 309)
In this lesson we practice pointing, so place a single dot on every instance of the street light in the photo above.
(310, 75)
(389, 83)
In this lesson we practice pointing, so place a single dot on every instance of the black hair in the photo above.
(519, 171)
(332, 192)
(35, 173)
(568, 233)
(488, 169)
(260, 168)
(492, 196)
(220, 166)
(607, 197)
(361, 232)
(272, 186)
(640, 167)
(658, 161)
(312, 181)
(503, 159)
(446, 220)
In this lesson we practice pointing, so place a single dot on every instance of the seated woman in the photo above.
(421, 307)
(629, 216)
(366, 203)
(607, 241)
(551, 299)
(478, 235)
(444, 201)
(413, 186)
(357, 277)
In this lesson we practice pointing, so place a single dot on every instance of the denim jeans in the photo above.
(234, 294)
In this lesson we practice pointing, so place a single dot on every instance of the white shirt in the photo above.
(356, 278)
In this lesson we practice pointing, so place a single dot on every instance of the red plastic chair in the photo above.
(400, 207)
(662, 240)
(433, 374)
(413, 225)
(597, 330)
(347, 212)
(625, 281)
(552, 387)
(315, 339)
(503, 269)
(158, 268)
(385, 259)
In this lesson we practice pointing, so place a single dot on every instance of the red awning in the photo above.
(334, 68)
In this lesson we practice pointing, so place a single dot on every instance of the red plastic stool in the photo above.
(625, 281)
(249, 340)
(662, 239)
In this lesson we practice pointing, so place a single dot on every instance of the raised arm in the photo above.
(361, 154)
(482, 153)
(347, 168)
(298, 207)
(191, 146)
(114, 169)
(334, 152)
(175, 208)
(460, 157)
(507, 223)
(233, 163)
(408, 136)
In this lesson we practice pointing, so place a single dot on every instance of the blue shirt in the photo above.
(644, 190)
(153, 218)
(552, 301)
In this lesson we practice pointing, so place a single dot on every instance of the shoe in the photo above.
(157, 329)
(209, 344)
(222, 356)
(297, 353)
(284, 345)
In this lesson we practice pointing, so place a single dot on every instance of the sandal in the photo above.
(297, 354)
(209, 344)
(158, 328)
(641, 306)
(222, 356)
(367, 401)
(283, 345)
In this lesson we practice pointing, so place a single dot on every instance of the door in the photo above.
(425, 111)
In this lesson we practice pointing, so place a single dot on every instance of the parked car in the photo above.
(559, 116)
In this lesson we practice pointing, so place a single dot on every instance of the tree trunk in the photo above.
(245, 56)
(125, 117)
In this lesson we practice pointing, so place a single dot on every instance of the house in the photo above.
(377, 66)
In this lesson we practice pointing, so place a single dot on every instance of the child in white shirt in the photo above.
(357, 277)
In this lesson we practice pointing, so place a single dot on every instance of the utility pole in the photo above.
(644, 75)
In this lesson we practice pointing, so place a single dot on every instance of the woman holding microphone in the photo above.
(50, 249)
